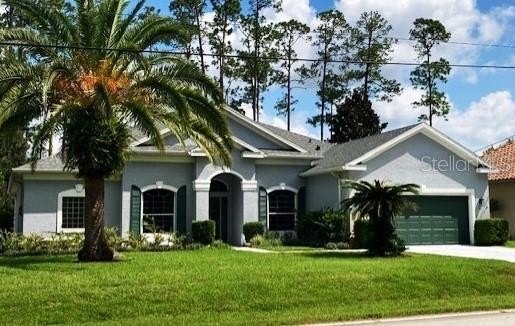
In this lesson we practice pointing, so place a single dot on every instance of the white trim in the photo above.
(252, 155)
(246, 145)
(225, 170)
(282, 186)
(238, 117)
(296, 204)
(164, 132)
(243, 120)
(486, 170)
(335, 169)
(249, 185)
(78, 191)
(297, 161)
(158, 185)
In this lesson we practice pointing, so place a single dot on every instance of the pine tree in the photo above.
(373, 47)
(288, 34)
(331, 41)
(427, 33)
(227, 13)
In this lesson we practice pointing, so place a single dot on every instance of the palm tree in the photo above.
(96, 85)
(379, 202)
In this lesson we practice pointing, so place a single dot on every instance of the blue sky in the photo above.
(483, 106)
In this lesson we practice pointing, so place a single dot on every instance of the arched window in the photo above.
(158, 210)
(281, 210)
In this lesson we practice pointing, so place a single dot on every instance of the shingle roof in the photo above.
(503, 158)
(47, 164)
(314, 147)
(341, 154)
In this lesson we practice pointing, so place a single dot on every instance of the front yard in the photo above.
(228, 287)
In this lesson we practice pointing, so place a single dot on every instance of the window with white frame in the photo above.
(281, 210)
(72, 212)
(158, 210)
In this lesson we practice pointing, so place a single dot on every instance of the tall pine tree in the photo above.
(289, 33)
(427, 33)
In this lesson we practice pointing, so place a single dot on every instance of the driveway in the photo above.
(496, 253)
(490, 318)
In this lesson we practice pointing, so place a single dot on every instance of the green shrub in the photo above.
(219, 244)
(203, 232)
(491, 232)
(251, 229)
(362, 234)
(270, 239)
(319, 227)
(114, 240)
(331, 246)
(343, 245)
(257, 241)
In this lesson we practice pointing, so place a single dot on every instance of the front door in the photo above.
(218, 213)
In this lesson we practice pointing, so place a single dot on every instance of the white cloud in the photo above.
(484, 122)
(461, 17)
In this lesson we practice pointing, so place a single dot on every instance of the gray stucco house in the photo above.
(275, 176)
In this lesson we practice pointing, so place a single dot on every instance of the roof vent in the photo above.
(317, 148)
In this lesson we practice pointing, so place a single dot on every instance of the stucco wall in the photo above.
(322, 192)
(40, 204)
(273, 175)
(505, 194)
(251, 137)
(143, 174)
(412, 162)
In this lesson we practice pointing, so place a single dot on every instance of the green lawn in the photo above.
(510, 244)
(229, 287)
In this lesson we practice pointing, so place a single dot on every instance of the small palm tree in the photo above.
(380, 202)
(97, 85)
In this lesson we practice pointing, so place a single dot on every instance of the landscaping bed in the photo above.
(228, 287)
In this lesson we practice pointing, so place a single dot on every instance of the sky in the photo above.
(482, 100)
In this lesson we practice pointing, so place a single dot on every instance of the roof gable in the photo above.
(354, 154)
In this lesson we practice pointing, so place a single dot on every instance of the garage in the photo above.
(435, 220)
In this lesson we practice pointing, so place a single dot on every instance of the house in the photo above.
(275, 176)
(502, 182)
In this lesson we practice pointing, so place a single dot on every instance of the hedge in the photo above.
(203, 232)
(491, 232)
(251, 229)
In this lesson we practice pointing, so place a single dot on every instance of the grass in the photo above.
(229, 287)
(510, 244)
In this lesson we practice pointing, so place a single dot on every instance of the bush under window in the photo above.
(203, 232)
(251, 229)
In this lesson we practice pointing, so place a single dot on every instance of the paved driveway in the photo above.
(496, 253)
(487, 318)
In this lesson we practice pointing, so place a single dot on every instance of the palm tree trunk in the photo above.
(95, 246)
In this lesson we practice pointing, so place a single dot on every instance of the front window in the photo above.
(158, 210)
(281, 210)
(73, 213)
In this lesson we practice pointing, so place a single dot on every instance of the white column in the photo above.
(201, 190)
(126, 210)
(250, 201)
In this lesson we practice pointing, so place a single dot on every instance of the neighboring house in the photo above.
(502, 182)
(275, 176)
